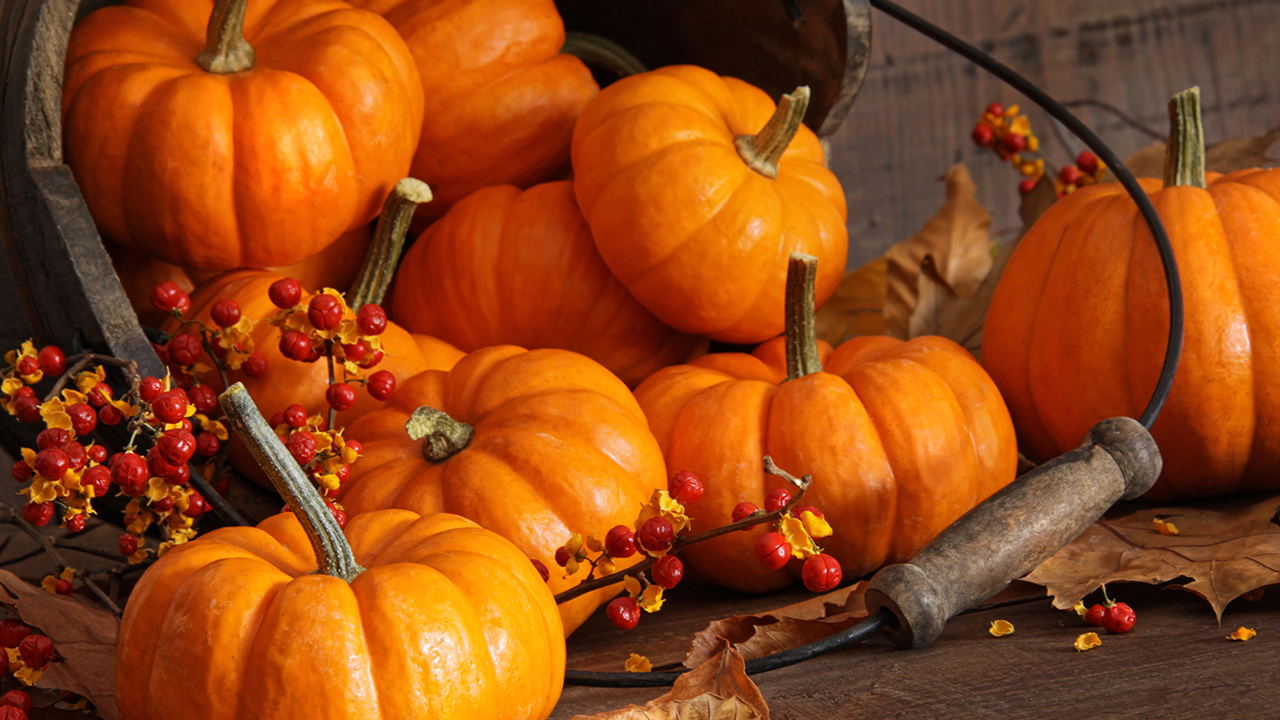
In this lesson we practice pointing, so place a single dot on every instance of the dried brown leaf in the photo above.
(958, 241)
(857, 307)
(1223, 157)
(782, 629)
(1226, 550)
(84, 637)
(718, 689)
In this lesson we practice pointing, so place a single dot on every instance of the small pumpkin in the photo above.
(1078, 324)
(901, 439)
(535, 445)
(501, 97)
(697, 189)
(398, 616)
(505, 267)
(223, 135)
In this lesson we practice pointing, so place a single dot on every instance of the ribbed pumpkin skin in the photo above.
(259, 168)
(501, 98)
(1078, 325)
(560, 446)
(447, 621)
(506, 267)
(697, 236)
(900, 438)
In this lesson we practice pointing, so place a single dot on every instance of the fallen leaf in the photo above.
(718, 689)
(782, 629)
(1242, 634)
(84, 637)
(1226, 551)
(1223, 157)
(857, 307)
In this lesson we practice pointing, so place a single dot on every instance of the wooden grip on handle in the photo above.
(1013, 531)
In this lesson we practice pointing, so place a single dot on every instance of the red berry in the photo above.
(656, 535)
(255, 365)
(38, 514)
(325, 312)
(381, 385)
(99, 394)
(772, 550)
(356, 352)
(207, 444)
(110, 415)
(822, 573)
(164, 504)
(302, 446)
(314, 355)
(285, 293)
(52, 438)
(162, 352)
(562, 556)
(157, 465)
(167, 296)
(204, 398)
(196, 505)
(76, 522)
(97, 453)
(777, 499)
(36, 651)
(1093, 616)
(99, 477)
(624, 612)
(63, 587)
(685, 487)
(181, 380)
(128, 544)
(983, 135)
(52, 463)
(1087, 162)
(179, 475)
(225, 313)
(1119, 618)
(1026, 186)
(24, 391)
(52, 361)
(185, 349)
(355, 446)
(295, 415)
(542, 569)
(800, 511)
(996, 109)
(371, 319)
(8, 712)
(22, 472)
(374, 358)
(1013, 142)
(339, 515)
(12, 632)
(620, 542)
(223, 485)
(170, 407)
(1069, 175)
(77, 457)
(340, 396)
(129, 471)
(295, 345)
(668, 571)
(149, 389)
(177, 446)
(27, 408)
(28, 365)
(17, 699)
(744, 510)
(83, 418)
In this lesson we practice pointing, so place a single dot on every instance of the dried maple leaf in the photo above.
(84, 637)
(718, 689)
(1225, 550)
(782, 629)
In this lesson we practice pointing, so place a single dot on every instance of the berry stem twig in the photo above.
(10, 516)
(801, 484)
(82, 363)
(328, 353)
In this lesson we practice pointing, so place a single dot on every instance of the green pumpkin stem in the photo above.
(226, 51)
(763, 151)
(1184, 156)
(442, 436)
(801, 328)
(603, 53)
(333, 553)
(374, 281)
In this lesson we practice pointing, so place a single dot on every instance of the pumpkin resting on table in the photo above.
(557, 446)
(1077, 328)
(901, 439)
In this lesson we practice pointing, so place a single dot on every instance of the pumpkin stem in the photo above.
(442, 436)
(762, 151)
(333, 553)
(802, 331)
(374, 281)
(602, 52)
(1184, 156)
(226, 51)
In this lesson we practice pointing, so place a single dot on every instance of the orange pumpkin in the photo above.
(1077, 328)
(697, 215)
(399, 616)
(501, 97)
(237, 155)
(901, 439)
(510, 268)
(535, 445)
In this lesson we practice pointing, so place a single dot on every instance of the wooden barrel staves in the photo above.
(57, 284)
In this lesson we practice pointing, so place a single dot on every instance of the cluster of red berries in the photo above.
(1009, 135)
(325, 456)
(182, 352)
(821, 572)
(1112, 616)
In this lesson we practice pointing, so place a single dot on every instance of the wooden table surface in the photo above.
(1175, 663)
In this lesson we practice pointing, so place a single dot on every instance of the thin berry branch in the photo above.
(217, 361)
(333, 412)
(82, 363)
(801, 484)
(11, 517)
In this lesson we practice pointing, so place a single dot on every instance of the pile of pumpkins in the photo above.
(581, 250)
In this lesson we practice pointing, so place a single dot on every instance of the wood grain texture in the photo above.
(919, 102)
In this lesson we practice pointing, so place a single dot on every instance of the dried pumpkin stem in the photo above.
(763, 151)
(1184, 156)
(379, 267)
(226, 51)
(333, 553)
(442, 437)
(603, 53)
(801, 328)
